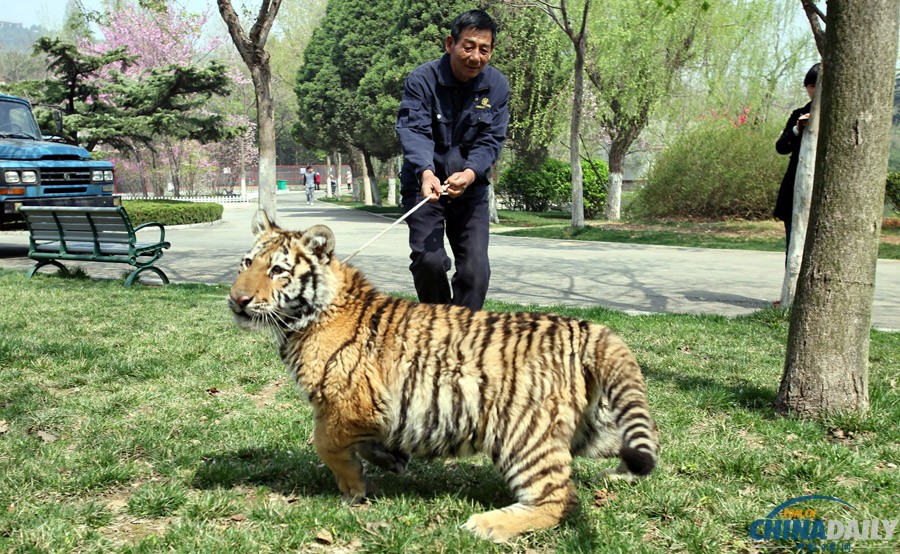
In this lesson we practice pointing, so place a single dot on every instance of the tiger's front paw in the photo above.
(355, 495)
(489, 526)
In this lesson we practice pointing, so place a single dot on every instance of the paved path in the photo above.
(633, 278)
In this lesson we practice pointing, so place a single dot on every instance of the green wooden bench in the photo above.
(91, 235)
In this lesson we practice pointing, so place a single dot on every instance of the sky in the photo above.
(49, 13)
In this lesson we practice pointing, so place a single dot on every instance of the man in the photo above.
(452, 124)
(310, 181)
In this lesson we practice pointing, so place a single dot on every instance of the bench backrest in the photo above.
(76, 224)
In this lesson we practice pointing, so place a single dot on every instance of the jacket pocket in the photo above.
(477, 123)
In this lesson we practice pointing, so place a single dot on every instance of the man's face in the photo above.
(470, 54)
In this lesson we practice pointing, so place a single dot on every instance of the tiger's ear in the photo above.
(261, 223)
(320, 241)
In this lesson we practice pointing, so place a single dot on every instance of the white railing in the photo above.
(220, 199)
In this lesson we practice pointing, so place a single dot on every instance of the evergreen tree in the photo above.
(100, 104)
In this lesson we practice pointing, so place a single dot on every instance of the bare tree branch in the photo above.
(814, 15)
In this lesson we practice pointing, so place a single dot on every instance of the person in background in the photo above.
(452, 124)
(789, 143)
(310, 180)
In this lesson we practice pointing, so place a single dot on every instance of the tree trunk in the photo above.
(803, 186)
(251, 47)
(145, 185)
(574, 132)
(392, 181)
(358, 162)
(339, 176)
(328, 178)
(373, 195)
(265, 117)
(826, 367)
(617, 151)
(492, 197)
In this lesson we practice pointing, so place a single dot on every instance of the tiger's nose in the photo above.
(240, 299)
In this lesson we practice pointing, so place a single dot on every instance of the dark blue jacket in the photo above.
(448, 126)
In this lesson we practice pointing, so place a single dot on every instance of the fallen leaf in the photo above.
(4, 427)
(604, 496)
(325, 537)
(116, 505)
(238, 517)
(46, 437)
(212, 391)
(376, 526)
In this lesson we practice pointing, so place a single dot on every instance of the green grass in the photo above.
(767, 236)
(141, 420)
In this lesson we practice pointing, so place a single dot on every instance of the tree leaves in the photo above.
(101, 104)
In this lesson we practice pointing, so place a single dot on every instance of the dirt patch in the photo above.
(266, 395)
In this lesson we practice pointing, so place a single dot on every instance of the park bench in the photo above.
(90, 235)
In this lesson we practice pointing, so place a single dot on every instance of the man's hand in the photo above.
(431, 186)
(459, 182)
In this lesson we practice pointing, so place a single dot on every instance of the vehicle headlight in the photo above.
(97, 175)
(29, 177)
(12, 177)
(107, 175)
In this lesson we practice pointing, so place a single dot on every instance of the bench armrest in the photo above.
(162, 230)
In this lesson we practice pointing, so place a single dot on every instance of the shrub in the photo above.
(172, 212)
(551, 185)
(892, 190)
(719, 170)
(596, 180)
(531, 190)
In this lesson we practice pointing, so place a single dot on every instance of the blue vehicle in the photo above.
(36, 171)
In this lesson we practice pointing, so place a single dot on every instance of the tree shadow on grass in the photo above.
(716, 395)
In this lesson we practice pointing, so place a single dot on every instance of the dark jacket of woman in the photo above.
(789, 143)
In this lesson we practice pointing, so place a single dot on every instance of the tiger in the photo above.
(389, 379)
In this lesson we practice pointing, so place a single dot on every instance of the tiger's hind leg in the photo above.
(539, 477)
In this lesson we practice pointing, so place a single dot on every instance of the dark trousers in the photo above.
(466, 220)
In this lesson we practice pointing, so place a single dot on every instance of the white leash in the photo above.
(391, 226)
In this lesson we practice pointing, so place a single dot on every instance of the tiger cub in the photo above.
(389, 379)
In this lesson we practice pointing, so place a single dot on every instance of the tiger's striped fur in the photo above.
(388, 378)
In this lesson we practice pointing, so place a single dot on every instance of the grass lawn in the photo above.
(142, 420)
(739, 235)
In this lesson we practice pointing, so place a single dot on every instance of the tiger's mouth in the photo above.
(243, 318)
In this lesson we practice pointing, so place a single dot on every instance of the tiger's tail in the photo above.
(618, 422)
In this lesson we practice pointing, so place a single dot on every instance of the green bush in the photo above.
(172, 212)
(531, 190)
(719, 170)
(551, 186)
(892, 190)
(596, 180)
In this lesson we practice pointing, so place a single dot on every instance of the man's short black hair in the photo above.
(811, 76)
(473, 19)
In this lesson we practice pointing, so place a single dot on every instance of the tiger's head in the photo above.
(285, 281)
